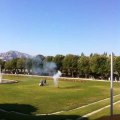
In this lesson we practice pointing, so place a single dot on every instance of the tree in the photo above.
(99, 65)
(70, 63)
(2, 64)
(29, 65)
(58, 59)
(49, 59)
(14, 63)
(11, 65)
(104, 66)
(8, 65)
(84, 66)
(117, 65)
(21, 64)
(41, 57)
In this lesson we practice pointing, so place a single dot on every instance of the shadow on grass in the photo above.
(114, 117)
(6, 113)
(22, 108)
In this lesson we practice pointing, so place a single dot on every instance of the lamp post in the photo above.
(0, 75)
(111, 87)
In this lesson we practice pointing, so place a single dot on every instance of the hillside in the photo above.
(13, 54)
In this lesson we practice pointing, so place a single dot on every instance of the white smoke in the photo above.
(41, 67)
(56, 78)
(49, 68)
(37, 65)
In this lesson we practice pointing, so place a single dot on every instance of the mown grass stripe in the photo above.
(91, 113)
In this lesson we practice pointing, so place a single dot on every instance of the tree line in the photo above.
(92, 66)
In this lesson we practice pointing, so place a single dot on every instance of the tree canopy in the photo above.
(95, 65)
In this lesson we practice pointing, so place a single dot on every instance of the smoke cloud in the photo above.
(56, 78)
(41, 67)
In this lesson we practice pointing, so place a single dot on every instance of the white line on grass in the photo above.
(92, 103)
(91, 113)
(71, 109)
(78, 107)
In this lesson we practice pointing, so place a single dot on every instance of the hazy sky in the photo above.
(51, 27)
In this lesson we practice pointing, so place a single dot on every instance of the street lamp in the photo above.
(111, 87)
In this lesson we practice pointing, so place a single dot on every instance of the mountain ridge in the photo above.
(12, 54)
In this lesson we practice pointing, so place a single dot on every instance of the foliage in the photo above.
(21, 63)
(117, 65)
(70, 63)
(28, 64)
(49, 59)
(2, 64)
(58, 59)
(8, 65)
(99, 65)
(94, 65)
(83, 65)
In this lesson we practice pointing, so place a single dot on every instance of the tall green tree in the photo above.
(11, 65)
(8, 65)
(99, 65)
(70, 63)
(21, 62)
(2, 64)
(84, 66)
(117, 65)
(58, 59)
(49, 59)
(14, 63)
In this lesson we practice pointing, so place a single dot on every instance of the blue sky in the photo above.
(51, 27)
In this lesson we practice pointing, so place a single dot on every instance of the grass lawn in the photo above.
(106, 112)
(29, 98)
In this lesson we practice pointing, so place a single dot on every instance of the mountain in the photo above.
(13, 54)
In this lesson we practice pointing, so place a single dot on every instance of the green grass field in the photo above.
(28, 97)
